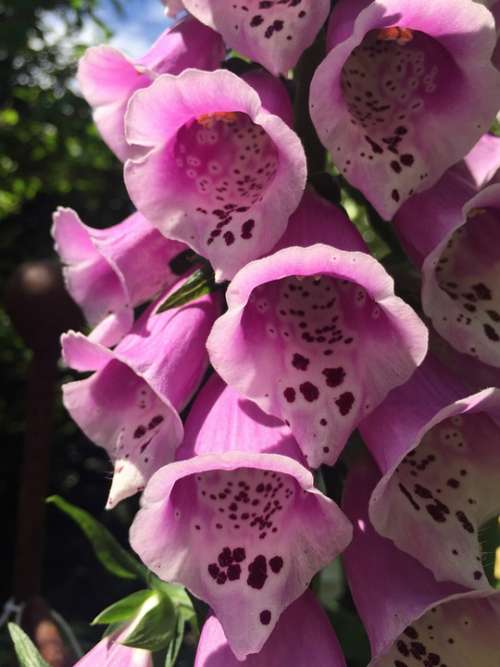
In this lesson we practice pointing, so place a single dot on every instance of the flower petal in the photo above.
(315, 644)
(219, 172)
(108, 78)
(110, 271)
(307, 336)
(130, 404)
(245, 532)
(440, 455)
(411, 619)
(397, 85)
(274, 33)
(221, 420)
(461, 279)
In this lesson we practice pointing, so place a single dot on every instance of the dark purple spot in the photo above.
(345, 403)
(299, 362)
(276, 564)
(289, 394)
(140, 431)
(334, 376)
(265, 617)
(309, 391)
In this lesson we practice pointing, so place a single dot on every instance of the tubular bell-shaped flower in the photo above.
(411, 619)
(110, 653)
(461, 279)
(221, 420)
(272, 33)
(401, 78)
(109, 272)
(130, 404)
(315, 336)
(439, 452)
(108, 78)
(245, 532)
(218, 170)
(315, 643)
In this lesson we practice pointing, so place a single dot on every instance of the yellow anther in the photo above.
(209, 119)
(396, 34)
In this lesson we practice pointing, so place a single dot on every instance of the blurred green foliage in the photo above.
(50, 155)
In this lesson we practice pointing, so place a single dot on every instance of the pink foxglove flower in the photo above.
(245, 532)
(315, 335)
(439, 452)
(218, 170)
(221, 420)
(402, 78)
(109, 272)
(110, 653)
(108, 78)
(272, 33)
(314, 644)
(411, 619)
(130, 404)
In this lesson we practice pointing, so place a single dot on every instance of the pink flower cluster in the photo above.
(310, 341)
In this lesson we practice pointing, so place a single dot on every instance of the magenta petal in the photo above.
(110, 653)
(439, 451)
(274, 34)
(411, 619)
(110, 271)
(272, 92)
(385, 103)
(245, 532)
(108, 78)
(316, 337)
(130, 404)
(219, 172)
(318, 221)
(221, 420)
(461, 279)
(483, 161)
(315, 643)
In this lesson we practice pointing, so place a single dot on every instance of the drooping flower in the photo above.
(109, 272)
(221, 420)
(245, 532)
(108, 78)
(461, 279)
(406, 91)
(428, 217)
(411, 619)
(130, 404)
(314, 644)
(315, 335)
(218, 170)
(439, 452)
(110, 653)
(273, 34)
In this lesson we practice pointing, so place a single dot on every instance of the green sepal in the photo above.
(175, 645)
(26, 652)
(154, 625)
(124, 609)
(108, 551)
(198, 284)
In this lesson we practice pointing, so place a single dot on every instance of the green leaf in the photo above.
(175, 645)
(110, 553)
(154, 626)
(199, 283)
(26, 651)
(124, 609)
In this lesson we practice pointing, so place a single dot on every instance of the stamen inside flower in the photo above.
(467, 275)
(225, 165)
(446, 489)
(459, 632)
(396, 34)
